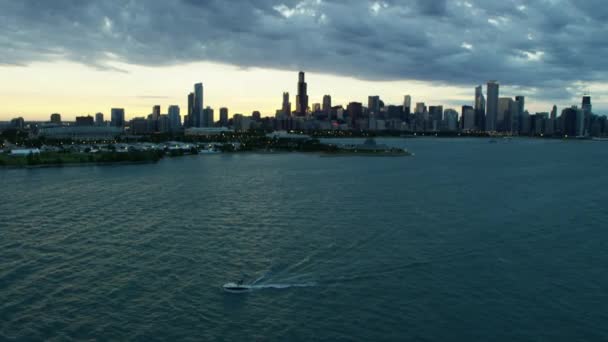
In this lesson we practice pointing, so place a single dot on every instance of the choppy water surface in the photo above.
(465, 241)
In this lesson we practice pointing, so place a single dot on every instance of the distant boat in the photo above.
(493, 141)
(237, 287)
(599, 139)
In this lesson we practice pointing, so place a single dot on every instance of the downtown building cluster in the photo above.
(489, 114)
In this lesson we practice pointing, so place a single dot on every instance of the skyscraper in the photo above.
(554, 113)
(407, 104)
(480, 108)
(503, 117)
(99, 119)
(207, 118)
(492, 106)
(327, 105)
(373, 105)
(286, 107)
(118, 117)
(197, 106)
(520, 108)
(586, 105)
(587, 111)
(302, 98)
(155, 112)
(189, 117)
(175, 119)
(223, 116)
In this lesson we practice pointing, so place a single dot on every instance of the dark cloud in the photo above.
(538, 44)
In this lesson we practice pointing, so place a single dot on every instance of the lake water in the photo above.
(466, 240)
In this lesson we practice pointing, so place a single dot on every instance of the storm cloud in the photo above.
(549, 44)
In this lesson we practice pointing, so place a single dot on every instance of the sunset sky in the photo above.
(82, 57)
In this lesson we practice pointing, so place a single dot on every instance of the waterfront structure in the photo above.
(223, 116)
(88, 132)
(56, 118)
(99, 119)
(492, 105)
(206, 131)
(175, 119)
(302, 97)
(117, 117)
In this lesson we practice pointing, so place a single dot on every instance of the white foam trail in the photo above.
(281, 286)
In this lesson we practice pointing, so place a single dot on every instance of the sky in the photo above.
(78, 57)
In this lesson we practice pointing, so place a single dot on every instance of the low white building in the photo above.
(25, 151)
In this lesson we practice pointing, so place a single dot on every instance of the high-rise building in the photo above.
(256, 115)
(223, 116)
(436, 117)
(286, 107)
(480, 108)
(117, 117)
(554, 113)
(327, 105)
(517, 113)
(155, 112)
(302, 98)
(407, 104)
(189, 117)
(586, 105)
(468, 118)
(587, 111)
(207, 119)
(503, 114)
(355, 112)
(373, 105)
(99, 119)
(56, 118)
(451, 119)
(492, 105)
(197, 106)
(175, 119)
(85, 121)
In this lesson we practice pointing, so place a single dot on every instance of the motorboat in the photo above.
(236, 287)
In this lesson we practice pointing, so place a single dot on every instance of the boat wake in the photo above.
(281, 286)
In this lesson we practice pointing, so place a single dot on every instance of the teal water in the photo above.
(465, 241)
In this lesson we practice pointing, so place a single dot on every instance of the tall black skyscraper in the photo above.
(302, 97)
(223, 116)
(587, 108)
(286, 107)
(190, 118)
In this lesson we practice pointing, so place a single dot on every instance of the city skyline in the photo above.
(83, 58)
(450, 97)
